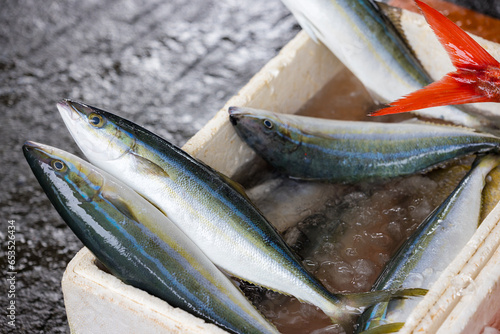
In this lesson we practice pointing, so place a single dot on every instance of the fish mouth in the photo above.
(234, 115)
(68, 108)
(30, 150)
(31, 146)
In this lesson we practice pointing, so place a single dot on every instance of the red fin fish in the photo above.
(477, 78)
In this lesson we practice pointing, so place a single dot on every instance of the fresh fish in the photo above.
(137, 243)
(285, 202)
(211, 209)
(346, 151)
(365, 41)
(476, 77)
(491, 193)
(428, 251)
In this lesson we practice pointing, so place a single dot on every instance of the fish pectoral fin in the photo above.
(362, 300)
(126, 208)
(147, 166)
(382, 329)
(120, 205)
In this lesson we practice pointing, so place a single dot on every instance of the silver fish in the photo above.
(137, 243)
(346, 151)
(211, 209)
(436, 242)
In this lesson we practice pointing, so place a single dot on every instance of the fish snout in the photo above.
(66, 108)
(234, 115)
(37, 155)
(30, 145)
(34, 148)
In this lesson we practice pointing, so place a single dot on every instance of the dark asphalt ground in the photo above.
(167, 65)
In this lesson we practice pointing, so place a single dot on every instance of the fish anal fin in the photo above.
(463, 50)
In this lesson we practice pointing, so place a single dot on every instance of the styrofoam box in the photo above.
(464, 300)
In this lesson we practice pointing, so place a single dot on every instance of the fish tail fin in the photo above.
(362, 300)
(451, 89)
(463, 50)
(474, 81)
(383, 329)
(356, 303)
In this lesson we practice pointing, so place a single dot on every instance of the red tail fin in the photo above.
(476, 78)
(463, 50)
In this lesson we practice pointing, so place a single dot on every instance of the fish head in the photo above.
(260, 128)
(62, 174)
(99, 134)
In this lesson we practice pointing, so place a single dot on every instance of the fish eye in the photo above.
(96, 120)
(58, 165)
(268, 124)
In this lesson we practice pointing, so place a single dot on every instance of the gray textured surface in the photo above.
(168, 65)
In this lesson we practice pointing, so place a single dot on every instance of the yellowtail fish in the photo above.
(211, 209)
(491, 193)
(429, 250)
(137, 243)
(346, 151)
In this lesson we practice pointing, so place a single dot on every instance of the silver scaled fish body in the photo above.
(364, 39)
(137, 243)
(431, 248)
(212, 210)
(346, 151)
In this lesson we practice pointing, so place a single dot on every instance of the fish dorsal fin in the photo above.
(463, 50)
(394, 15)
(424, 121)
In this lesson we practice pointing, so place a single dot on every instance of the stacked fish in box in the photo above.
(164, 222)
